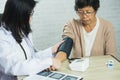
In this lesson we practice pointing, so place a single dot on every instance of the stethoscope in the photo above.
(23, 51)
(27, 40)
(30, 44)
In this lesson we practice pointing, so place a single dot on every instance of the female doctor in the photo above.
(17, 54)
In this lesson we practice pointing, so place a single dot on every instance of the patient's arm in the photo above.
(64, 49)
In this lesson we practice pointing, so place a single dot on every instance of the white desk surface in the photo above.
(97, 69)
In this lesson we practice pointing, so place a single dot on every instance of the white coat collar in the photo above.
(5, 31)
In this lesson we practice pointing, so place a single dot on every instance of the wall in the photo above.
(51, 15)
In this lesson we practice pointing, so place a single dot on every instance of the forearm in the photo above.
(62, 56)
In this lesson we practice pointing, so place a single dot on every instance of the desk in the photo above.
(97, 69)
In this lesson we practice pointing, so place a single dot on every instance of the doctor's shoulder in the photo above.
(5, 35)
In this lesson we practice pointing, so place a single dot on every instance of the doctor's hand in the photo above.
(56, 46)
(56, 64)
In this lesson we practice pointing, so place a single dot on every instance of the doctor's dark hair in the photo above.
(16, 17)
(95, 4)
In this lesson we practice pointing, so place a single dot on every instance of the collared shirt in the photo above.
(12, 58)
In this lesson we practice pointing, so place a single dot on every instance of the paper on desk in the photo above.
(36, 77)
(79, 64)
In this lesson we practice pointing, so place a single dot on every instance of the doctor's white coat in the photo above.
(12, 58)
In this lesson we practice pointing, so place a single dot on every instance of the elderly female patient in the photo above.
(89, 35)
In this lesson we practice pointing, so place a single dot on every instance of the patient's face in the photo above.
(87, 15)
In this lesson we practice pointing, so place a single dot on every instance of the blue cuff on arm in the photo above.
(66, 46)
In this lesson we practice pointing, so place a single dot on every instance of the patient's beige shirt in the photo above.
(103, 44)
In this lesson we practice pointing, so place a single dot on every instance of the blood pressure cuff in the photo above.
(66, 46)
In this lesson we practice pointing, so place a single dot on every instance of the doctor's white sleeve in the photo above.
(11, 65)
